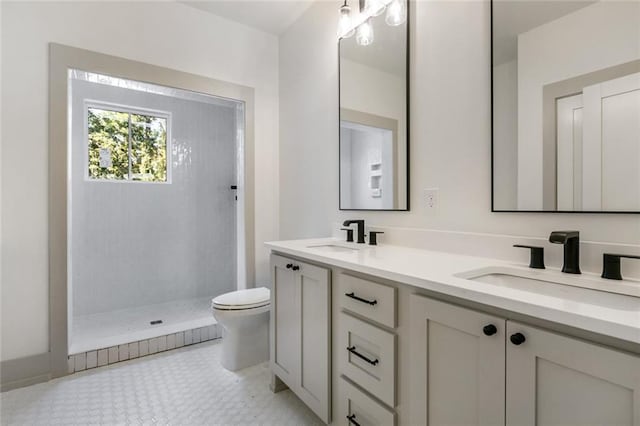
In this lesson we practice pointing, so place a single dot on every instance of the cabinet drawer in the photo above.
(362, 409)
(367, 356)
(369, 299)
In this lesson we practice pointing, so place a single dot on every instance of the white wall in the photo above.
(167, 34)
(309, 124)
(576, 44)
(450, 131)
(505, 135)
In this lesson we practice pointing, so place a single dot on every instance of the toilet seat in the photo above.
(241, 300)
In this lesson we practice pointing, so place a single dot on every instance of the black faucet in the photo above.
(360, 230)
(571, 241)
(611, 265)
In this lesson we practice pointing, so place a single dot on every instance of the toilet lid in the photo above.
(243, 299)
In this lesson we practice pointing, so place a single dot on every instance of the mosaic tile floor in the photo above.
(182, 387)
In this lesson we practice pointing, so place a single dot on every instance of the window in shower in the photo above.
(126, 144)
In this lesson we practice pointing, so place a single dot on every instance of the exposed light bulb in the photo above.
(375, 7)
(345, 29)
(364, 34)
(396, 13)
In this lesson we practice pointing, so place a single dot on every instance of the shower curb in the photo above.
(106, 356)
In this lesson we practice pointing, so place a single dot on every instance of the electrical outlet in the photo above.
(431, 198)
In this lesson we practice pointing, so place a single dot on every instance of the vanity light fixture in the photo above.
(345, 29)
(396, 13)
(362, 27)
(364, 33)
(375, 7)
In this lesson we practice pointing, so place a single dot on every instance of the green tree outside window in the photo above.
(127, 146)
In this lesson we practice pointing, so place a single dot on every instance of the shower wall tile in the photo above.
(188, 337)
(103, 357)
(80, 362)
(123, 352)
(144, 347)
(71, 367)
(196, 336)
(203, 140)
(153, 345)
(204, 334)
(133, 350)
(171, 341)
(92, 359)
(114, 355)
(179, 340)
(162, 343)
(213, 331)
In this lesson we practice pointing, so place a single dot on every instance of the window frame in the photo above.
(128, 109)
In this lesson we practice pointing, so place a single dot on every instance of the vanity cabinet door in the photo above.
(301, 331)
(314, 381)
(285, 323)
(558, 380)
(457, 365)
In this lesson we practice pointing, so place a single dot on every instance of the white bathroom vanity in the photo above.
(396, 335)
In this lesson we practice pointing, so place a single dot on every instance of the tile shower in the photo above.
(149, 251)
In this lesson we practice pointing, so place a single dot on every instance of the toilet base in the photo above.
(245, 342)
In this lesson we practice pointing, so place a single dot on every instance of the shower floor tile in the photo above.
(97, 331)
(182, 387)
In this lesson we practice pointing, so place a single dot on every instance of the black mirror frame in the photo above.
(493, 207)
(408, 127)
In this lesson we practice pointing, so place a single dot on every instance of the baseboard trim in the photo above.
(20, 372)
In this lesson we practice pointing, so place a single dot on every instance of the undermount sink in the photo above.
(552, 282)
(334, 248)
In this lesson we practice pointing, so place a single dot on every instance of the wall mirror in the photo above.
(566, 106)
(374, 117)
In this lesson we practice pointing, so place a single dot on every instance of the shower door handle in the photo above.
(233, 187)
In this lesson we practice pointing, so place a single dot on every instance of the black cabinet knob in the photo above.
(289, 265)
(295, 267)
(517, 339)
(489, 330)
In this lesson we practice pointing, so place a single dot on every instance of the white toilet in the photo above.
(244, 317)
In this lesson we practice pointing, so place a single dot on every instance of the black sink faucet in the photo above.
(360, 230)
(571, 241)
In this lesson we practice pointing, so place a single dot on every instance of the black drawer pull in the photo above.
(352, 420)
(289, 265)
(360, 299)
(295, 267)
(352, 349)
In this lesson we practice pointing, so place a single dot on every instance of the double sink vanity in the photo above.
(390, 335)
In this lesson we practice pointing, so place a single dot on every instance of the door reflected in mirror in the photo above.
(566, 105)
(373, 119)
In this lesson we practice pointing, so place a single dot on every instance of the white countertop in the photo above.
(600, 312)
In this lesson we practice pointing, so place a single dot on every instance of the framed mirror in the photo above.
(566, 106)
(374, 116)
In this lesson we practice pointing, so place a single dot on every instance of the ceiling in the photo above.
(272, 16)
(514, 17)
